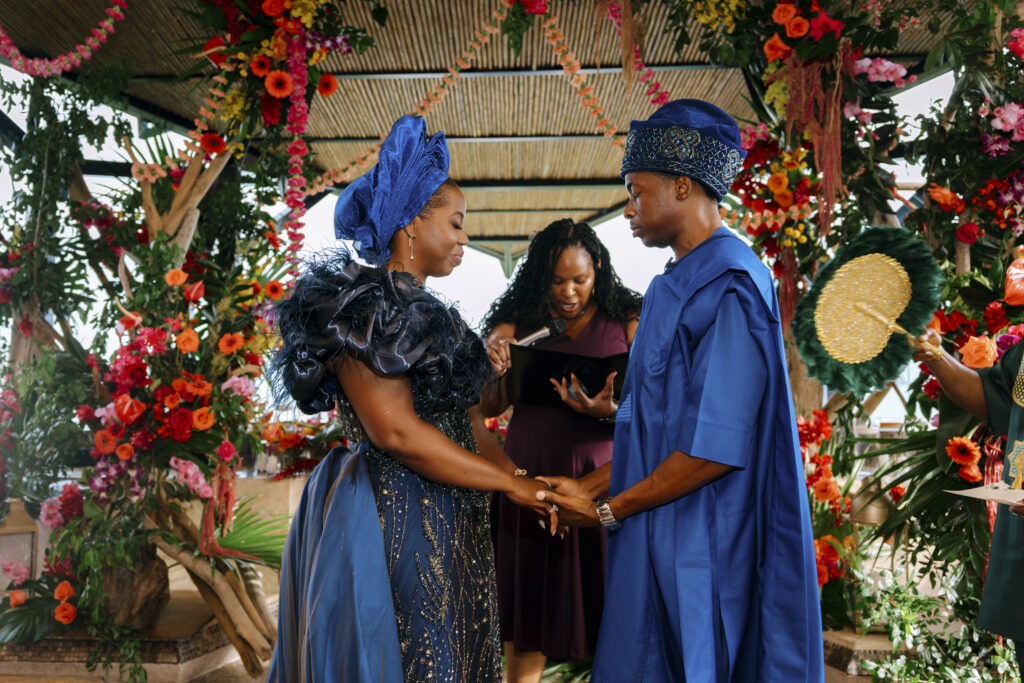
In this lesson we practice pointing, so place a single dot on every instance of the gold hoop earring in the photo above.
(412, 254)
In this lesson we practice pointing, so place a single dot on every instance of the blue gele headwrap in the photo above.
(693, 138)
(410, 167)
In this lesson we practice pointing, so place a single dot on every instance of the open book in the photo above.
(532, 368)
(1000, 492)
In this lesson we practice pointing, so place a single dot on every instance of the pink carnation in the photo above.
(242, 386)
(1007, 117)
(17, 572)
(49, 513)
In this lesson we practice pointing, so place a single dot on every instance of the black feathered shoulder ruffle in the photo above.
(342, 308)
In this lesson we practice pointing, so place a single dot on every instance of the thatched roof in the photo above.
(521, 144)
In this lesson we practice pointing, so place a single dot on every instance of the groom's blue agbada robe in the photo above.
(721, 584)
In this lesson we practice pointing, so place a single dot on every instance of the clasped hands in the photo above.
(560, 501)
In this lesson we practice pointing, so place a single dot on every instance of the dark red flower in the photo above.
(25, 327)
(995, 317)
(535, 6)
(71, 502)
(822, 24)
(85, 413)
(142, 440)
(270, 110)
(897, 492)
(213, 52)
(932, 389)
(195, 291)
(968, 232)
(180, 420)
(213, 143)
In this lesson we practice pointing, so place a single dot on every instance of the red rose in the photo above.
(85, 413)
(535, 6)
(821, 25)
(968, 232)
(180, 420)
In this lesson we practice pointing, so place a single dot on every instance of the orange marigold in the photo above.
(230, 342)
(963, 451)
(202, 418)
(172, 401)
(187, 341)
(104, 441)
(200, 387)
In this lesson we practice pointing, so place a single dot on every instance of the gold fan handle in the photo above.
(934, 352)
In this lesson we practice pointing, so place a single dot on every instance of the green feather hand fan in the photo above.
(883, 281)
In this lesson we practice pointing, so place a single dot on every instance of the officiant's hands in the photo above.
(601, 405)
(1018, 510)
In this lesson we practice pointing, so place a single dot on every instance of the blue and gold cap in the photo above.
(693, 138)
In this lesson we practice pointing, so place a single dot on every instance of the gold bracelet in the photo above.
(519, 473)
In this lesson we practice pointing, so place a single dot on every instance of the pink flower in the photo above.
(1016, 42)
(226, 451)
(852, 110)
(1007, 117)
(242, 386)
(49, 513)
(16, 572)
(994, 145)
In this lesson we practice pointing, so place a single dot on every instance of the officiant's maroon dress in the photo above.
(551, 590)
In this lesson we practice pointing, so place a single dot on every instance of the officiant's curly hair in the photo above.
(525, 302)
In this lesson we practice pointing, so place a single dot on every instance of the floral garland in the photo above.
(435, 96)
(571, 67)
(69, 60)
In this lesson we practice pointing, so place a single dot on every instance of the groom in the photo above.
(711, 571)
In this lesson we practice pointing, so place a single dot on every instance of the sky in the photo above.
(480, 280)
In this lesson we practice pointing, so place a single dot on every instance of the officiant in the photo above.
(551, 588)
(995, 394)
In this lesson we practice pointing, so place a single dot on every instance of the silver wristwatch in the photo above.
(605, 516)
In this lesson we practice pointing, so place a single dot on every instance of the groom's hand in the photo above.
(566, 486)
(572, 510)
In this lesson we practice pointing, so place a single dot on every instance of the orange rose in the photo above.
(826, 490)
(172, 401)
(17, 597)
(187, 341)
(963, 451)
(784, 198)
(230, 342)
(63, 591)
(175, 277)
(104, 441)
(797, 27)
(783, 13)
(202, 418)
(775, 48)
(979, 352)
(65, 613)
(777, 182)
(125, 451)
(935, 324)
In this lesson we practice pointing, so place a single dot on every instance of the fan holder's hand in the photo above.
(934, 352)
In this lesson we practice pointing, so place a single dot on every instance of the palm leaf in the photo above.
(257, 533)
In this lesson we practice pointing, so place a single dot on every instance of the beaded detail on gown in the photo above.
(437, 549)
